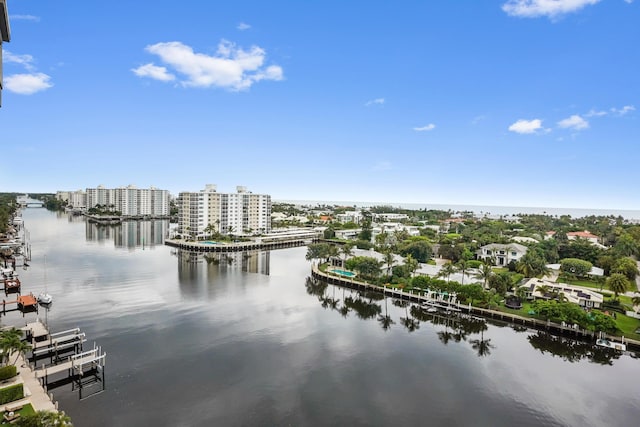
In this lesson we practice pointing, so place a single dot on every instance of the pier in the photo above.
(514, 319)
(24, 303)
(236, 246)
(81, 368)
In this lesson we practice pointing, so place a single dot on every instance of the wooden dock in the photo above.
(23, 303)
(11, 284)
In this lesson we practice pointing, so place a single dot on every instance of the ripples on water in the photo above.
(245, 340)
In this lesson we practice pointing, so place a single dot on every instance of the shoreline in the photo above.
(485, 313)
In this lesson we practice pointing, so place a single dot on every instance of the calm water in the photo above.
(247, 340)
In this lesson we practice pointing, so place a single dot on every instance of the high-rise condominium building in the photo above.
(241, 213)
(130, 201)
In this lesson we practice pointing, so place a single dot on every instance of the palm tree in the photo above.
(347, 251)
(209, 229)
(462, 266)
(10, 340)
(411, 263)
(388, 260)
(484, 273)
(21, 347)
(635, 300)
(447, 270)
(544, 290)
(532, 265)
(507, 249)
(618, 284)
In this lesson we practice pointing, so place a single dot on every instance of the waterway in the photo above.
(245, 339)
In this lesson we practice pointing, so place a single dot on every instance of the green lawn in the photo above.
(628, 326)
(26, 410)
(591, 283)
(524, 311)
(584, 282)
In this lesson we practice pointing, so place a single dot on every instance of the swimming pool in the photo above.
(343, 272)
(209, 242)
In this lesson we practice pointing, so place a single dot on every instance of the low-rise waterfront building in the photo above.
(544, 289)
(349, 216)
(390, 217)
(502, 254)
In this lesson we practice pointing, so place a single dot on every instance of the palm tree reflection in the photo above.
(385, 321)
(482, 347)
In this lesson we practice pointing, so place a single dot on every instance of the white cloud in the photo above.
(574, 122)
(24, 18)
(154, 72)
(596, 113)
(27, 84)
(242, 26)
(550, 8)
(377, 101)
(428, 127)
(628, 1)
(230, 67)
(526, 126)
(24, 60)
(624, 110)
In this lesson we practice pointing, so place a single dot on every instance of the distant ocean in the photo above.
(480, 209)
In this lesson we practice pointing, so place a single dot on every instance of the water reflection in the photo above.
(458, 327)
(572, 351)
(195, 264)
(128, 234)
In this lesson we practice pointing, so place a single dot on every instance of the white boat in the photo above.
(45, 298)
(604, 342)
(6, 272)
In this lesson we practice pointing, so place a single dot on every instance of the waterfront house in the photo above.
(349, 234)
(349, 216)
(574, 235)
(502, 254)
(544, 289)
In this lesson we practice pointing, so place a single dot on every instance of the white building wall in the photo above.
(229, 213)
(78, 199)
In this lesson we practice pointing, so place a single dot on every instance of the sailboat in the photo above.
(45, 298)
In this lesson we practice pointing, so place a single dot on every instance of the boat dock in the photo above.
(558, 329)
(76, 363)
(24, 303)
(81, 368)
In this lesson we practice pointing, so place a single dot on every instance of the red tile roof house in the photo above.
(574, 235)
(583, 235)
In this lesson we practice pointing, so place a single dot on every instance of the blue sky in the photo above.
(517, 103)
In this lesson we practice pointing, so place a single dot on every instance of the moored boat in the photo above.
(45, 298)
(604, 342)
